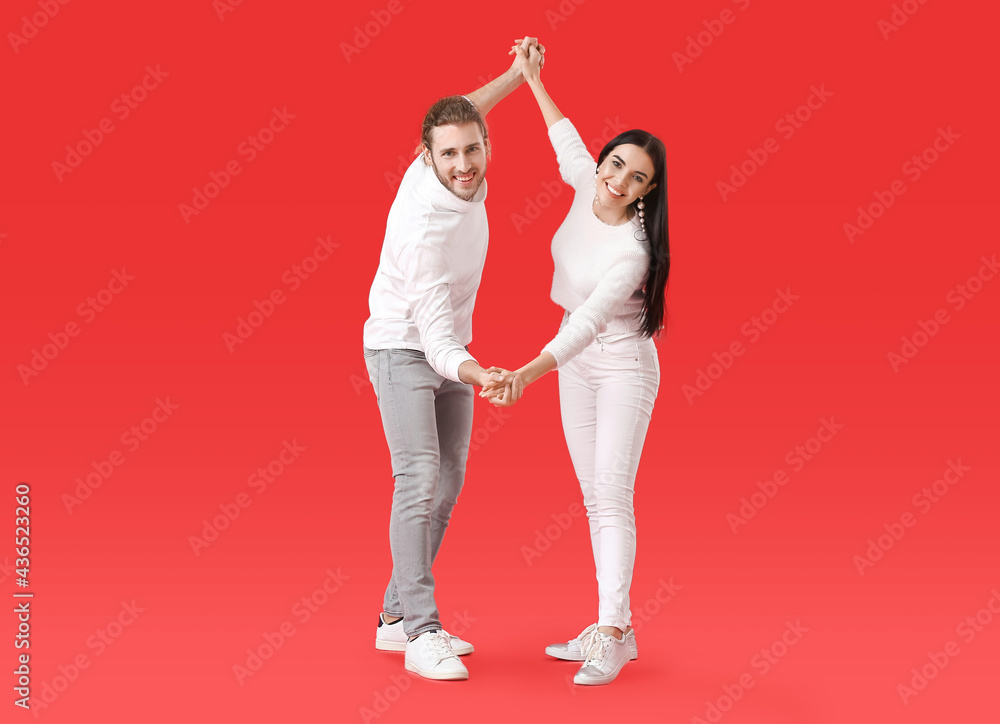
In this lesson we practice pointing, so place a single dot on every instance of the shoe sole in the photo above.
(451, 676)
(562, 655)
(383, 645)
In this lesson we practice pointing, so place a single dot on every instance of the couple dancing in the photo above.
(611, 264)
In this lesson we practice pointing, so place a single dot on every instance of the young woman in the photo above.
(611, 264)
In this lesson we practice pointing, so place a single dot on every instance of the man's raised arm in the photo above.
(496, 90)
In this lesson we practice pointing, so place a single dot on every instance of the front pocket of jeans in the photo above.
(623, 351)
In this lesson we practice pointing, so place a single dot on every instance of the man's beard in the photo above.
(464, 194)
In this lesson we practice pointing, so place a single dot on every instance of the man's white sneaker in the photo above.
(576, 649)
(430, 656)
(391, 637)
(605, 658)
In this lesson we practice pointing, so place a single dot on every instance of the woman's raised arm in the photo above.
(531, 67)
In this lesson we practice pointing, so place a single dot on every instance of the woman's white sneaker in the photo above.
(430, 656)
(576, 649)
(605, 658)
(391, 637)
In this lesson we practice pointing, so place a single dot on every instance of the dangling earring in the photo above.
(642, 214)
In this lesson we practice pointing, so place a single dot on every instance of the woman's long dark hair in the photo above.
(651, 317)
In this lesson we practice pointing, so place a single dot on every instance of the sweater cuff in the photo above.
(456, 361)
(561, 131)
(556, 352)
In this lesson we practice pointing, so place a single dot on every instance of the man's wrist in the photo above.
(514, 76)
(470, 372)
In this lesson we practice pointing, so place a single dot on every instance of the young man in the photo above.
(416, 349)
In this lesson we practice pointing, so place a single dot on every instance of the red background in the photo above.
(300, 375)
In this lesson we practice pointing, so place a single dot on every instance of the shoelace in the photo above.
(598, 649)
(587, 638)
(439, 646)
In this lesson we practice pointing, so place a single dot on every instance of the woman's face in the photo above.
(624, 175)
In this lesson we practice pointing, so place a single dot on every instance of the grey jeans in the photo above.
(427, 421)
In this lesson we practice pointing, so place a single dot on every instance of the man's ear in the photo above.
(425, 151)
(488, 147)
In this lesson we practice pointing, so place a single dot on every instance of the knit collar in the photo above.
(442, 198)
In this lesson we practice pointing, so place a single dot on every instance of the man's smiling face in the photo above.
(458, 155)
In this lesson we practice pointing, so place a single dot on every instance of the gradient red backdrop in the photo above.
(771, 585)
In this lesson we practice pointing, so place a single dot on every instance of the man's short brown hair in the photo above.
(452, 111)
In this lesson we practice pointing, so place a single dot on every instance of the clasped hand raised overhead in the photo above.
(529, 57)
